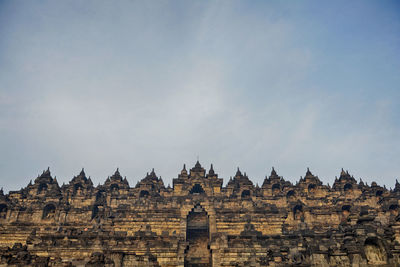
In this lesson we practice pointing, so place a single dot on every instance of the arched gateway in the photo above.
(197, 253)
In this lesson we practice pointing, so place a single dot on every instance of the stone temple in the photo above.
(198, 222)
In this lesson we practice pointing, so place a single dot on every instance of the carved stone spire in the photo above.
(46, 173)
(273, 172)
(211, 171)
(184, 171)
(397, 186)
(197, 165)
(197, 170)
(152, 175)
(238, 172)
(116, 176)
(152, 172)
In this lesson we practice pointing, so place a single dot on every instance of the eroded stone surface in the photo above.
(200, 223)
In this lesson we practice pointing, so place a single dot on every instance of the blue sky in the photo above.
(143, 84)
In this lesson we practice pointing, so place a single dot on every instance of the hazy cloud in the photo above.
(138, 85)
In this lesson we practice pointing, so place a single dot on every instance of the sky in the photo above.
(156, 84)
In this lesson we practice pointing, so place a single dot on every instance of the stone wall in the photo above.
(200, 223)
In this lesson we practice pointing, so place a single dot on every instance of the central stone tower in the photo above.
(197, 182)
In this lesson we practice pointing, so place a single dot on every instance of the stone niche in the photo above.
(374, 251)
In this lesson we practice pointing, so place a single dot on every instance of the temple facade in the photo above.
(198, 222)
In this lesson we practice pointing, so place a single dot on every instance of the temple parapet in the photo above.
(200, 222)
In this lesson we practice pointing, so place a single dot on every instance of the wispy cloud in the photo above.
(139, 85)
